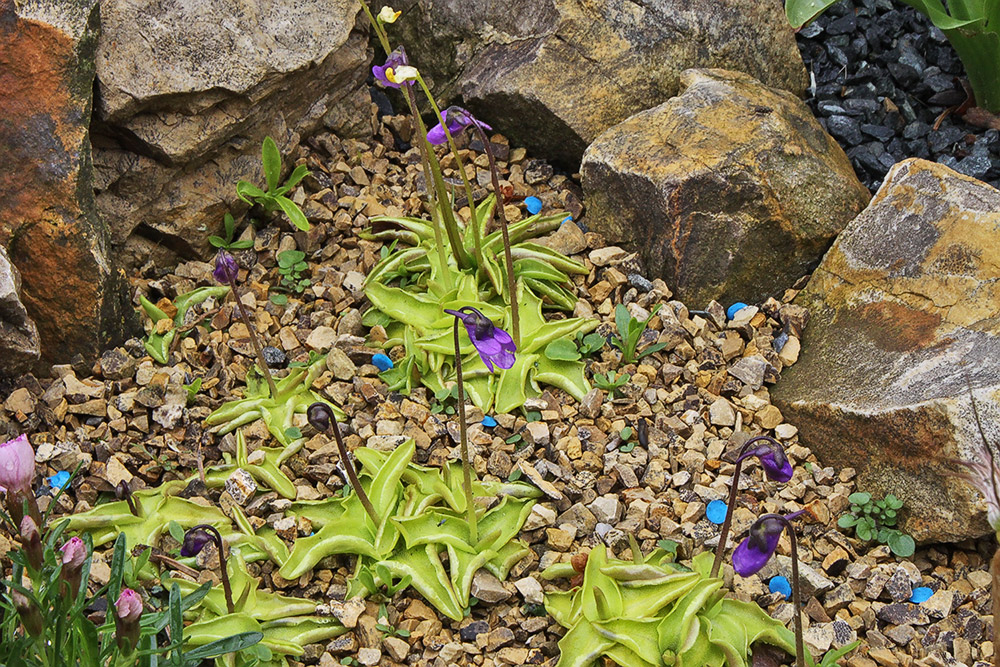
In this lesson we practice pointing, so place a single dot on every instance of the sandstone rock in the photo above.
(904, 309)
(70, 287)
(173, 139)
(19, 344)
(730, 191)
(553, 74)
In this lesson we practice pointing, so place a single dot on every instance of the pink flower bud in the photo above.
(129, 606)
(31, 541)
(128, 611)
(17, 465)
(74, 552)
(27, 610)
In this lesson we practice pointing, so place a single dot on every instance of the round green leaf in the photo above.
(847, 521)
(902, 545)
(562, 349)
(860, 498)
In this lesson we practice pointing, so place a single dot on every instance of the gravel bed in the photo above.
(700, 399)
(882, 75)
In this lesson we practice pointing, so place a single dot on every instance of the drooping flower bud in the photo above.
(31, 541)
(319, 415)
(29, 614)
(772, 458)
(455, 119)
(128, 611)
(753, 553)
(194, 541)
(495, 346)
(226, 270)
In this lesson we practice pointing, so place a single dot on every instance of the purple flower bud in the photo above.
(495, 346)
(194, 541)
(395, 60)
(226, 269)
(319, 415)
(753, 553)
(17, 465)
(772, 458)
(457, 119)
(128, 611)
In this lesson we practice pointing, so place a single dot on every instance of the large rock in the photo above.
(553, 74)
(730, 191)
(19, 344)
(188, 90)
(904, 310)
(71, 288)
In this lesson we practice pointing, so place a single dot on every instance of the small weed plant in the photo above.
(875, 520)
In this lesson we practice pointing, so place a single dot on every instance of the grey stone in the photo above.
(174, 138)
(553, 74)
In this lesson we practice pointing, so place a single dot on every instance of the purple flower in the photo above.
(753, 553)
(194, 541)
(17, 465)
(74, 552)
(772, 457)
(495, 346)
(395, 60)
(226, 269)
(457, 119)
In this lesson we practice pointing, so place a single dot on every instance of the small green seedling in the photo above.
(274, 198)
(386, 628)
(444, 401)
(626, 435)
(192, 391)
(227, 242)
(630, 331)
(610, 383)
(591, 343)
(291, 265)
(876, 521)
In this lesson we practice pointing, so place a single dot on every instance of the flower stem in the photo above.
(733, 491)
(995, 572)
(515, 319)
(264, 368)
(464, 441)
(796, 597)
(425, 149)
(377, 27)
(223, 569)
(352, 474)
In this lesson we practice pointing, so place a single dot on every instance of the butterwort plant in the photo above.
(496, 348)
(47, 606)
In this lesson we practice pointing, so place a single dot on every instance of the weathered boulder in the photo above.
(48, 224)
(905, 309)
(188, 89)
(729, 191)
(553, 74)
(19, 344)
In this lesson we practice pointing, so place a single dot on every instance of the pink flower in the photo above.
(17, 465)
(129, 606)
(74, 552)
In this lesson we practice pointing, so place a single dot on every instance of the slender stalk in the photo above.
(352, 474)
(796, 597)
(733, 491)
(425, 151)
(377, 27)
(515, 319)
(264, 368)
(995, 573)
(223, 570)
(464, 441)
